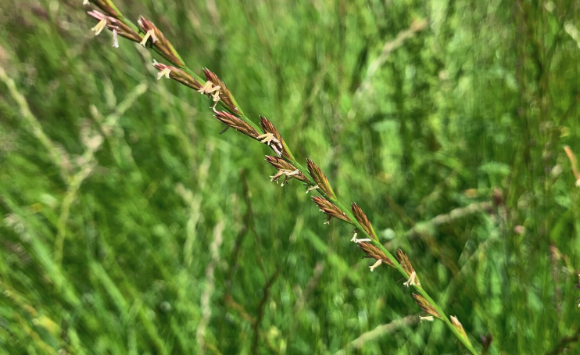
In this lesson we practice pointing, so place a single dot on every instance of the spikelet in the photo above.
(330, 209)
(177, 75)
(224, 94)
(155, 38)
(236, 123)
(116, 26)
(363, 220)
(375, 253)
(426, 306)
(285, 168)
(320, 179)
(273, 138)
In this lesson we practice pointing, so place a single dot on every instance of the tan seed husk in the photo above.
(179, 76)
(426, 306)
(458, 326)
(330, 209)
(116, 25)
(320, 179)
(363, 220)
(375, 253)
(282, 164)
(236, 123)
(225, 95)
(268, 127)
(158, 40)
(405, 262)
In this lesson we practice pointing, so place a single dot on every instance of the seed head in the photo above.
(373, 252)
(408, 267)
(114, 25)
(330, 209)
(177, 75)
(224, 94)
(236, 123)
(426, 306)
(320, 179)
(283, 165)
(363, 220)
(155, 38)
(289, 174)
(276, 142)
(459, 327)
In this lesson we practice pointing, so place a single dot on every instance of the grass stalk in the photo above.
(288, 166)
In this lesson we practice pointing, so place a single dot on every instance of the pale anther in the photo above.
(312, 188)
(412, 280)
(164, 73)
(376, 265)
(115, 39)
(149, 34)
(99, 27)
(353, 239)
(365, 240)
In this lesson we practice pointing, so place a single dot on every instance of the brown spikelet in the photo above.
(330, 209)
(179, 75)
(426, 306)
(320, 179)
(236, 123)
(405, 263)
(459, 327)
(225, 95)
(284, 166)
(375, 253)
(109, 8)
(268, 127)
(116, 25)
(158, 40)
(363, 220)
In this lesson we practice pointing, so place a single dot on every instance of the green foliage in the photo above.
(167, 237)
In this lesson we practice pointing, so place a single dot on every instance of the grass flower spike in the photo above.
(224, 94)
(114, 25)
(330, 209)
(320, 179)
(285, 168)
(286, 165)
(154, 37)
(177, 75)
(236, 123)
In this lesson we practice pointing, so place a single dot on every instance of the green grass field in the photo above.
(129, 225)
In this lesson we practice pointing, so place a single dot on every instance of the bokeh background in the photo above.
(129, 225)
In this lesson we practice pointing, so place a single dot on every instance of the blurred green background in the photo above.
(129, 225)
